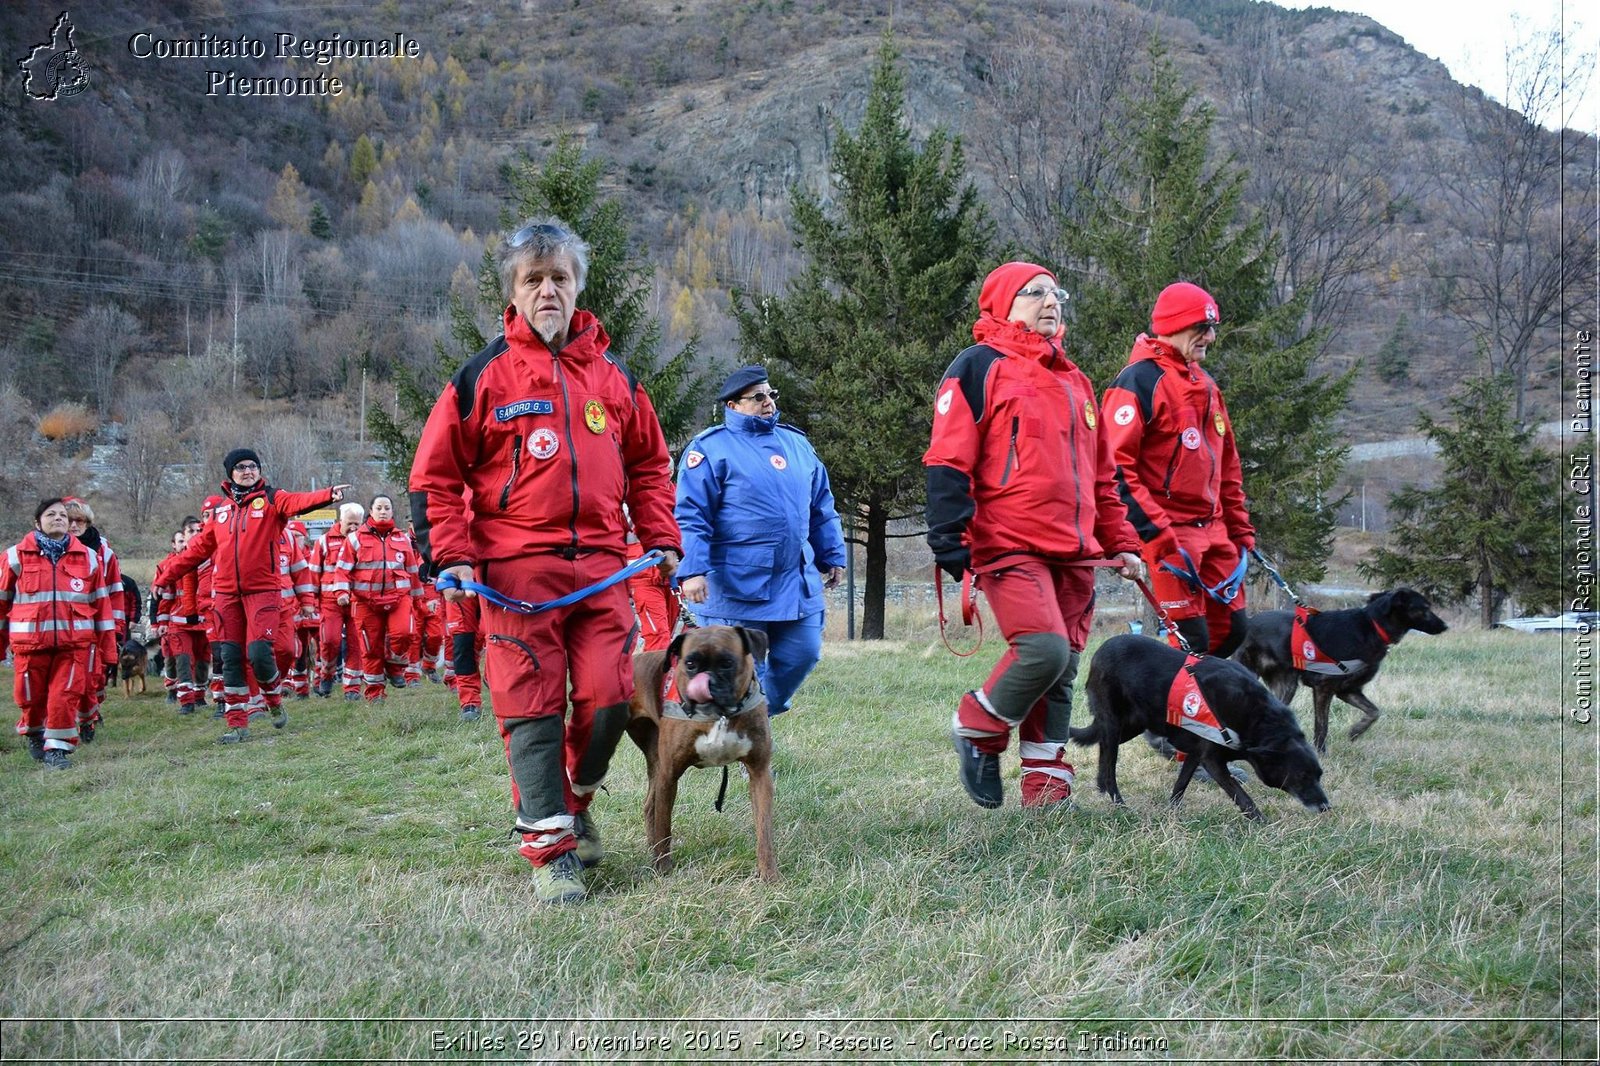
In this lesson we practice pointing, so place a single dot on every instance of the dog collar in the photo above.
(685, 710)
(1383, 634)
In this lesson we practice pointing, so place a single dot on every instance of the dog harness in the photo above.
(1187, 708)
(674, 706)
(1311, 659)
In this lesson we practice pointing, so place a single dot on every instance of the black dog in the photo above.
(1129, 681)
(1359, 638)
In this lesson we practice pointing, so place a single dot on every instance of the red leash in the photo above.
(969, 600)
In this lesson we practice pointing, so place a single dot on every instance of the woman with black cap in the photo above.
(241, 537)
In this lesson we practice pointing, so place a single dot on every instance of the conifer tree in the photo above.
(1173, 215)
(1491, 528)
(859, 341)
(615, 291)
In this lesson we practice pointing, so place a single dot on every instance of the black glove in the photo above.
(956, 563)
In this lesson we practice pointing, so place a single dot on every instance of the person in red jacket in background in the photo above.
(161, 612)
(80, 520)
(297, 609)
(306, 624)
(333, 586)
(655, 604)
(241, 539)
(56, 619)
(462, 629)
(206, 574)
(183, 629)
(518, 482)
(1177, 470)
(1020, 493)
(428, 623)
(381, 567)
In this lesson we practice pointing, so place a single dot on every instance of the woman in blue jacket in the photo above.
(761, 538)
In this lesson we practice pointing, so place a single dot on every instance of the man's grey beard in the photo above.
(548, 328)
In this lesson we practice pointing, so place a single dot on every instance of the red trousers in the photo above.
(50, 687)
(462, 627)
(383, 641)
(330, 639)
(187, 648)
(1215, 557)
(654, 605)
(530, 662)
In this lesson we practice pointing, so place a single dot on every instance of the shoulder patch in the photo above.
(693, 459)
(970, 370)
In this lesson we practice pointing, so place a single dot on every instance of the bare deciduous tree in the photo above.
(1323, 187)
(1523, 208)
(140, 468)
(101, 338)
(1052, 110)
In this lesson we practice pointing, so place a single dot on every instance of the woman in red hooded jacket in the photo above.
(381, 567)
(1020, 493)
(56, 618)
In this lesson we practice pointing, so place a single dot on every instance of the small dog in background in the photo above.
(1347, 648)
(133, 662)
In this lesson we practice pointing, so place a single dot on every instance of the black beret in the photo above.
(740, 380)
(237, 456)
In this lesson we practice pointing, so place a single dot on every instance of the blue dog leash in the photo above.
(1277, 578)
(1223, 591)
(499, 599)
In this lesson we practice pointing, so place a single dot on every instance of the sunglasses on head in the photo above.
(552, 233)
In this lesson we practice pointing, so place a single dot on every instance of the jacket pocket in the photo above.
(747, 570)
(516, 465)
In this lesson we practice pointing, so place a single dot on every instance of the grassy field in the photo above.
(346, 890)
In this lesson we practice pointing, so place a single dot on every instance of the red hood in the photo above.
(585, 334)
(1012, 339)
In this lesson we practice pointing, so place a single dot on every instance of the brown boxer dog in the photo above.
(698, 703)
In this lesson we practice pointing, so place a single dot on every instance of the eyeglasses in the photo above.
(555, 234)
(246, 466)
(1041, 291)
(758, 397)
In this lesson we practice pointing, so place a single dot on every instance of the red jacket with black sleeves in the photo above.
(1018, 462)
(65, 605)
(241, 540)
(531, 450)
(1172, 443)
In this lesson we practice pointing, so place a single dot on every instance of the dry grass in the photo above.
(332, 889)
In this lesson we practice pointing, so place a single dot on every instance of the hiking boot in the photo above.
(589, 850)
(325, 688)
(980, 773)
(56, 759)
(235, 736)
(352, 697)
(36, 747)
(431, 675)
(1042, 789)
(280, 717)
(186, 708)
(471, 713)
(560, 880)
(86, 732)
(172, 697)
(302, 695)
(1203, 775)
(219, 711)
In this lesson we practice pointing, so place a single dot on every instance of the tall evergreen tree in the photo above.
(616, 291)
(858, 342)
(1491, 528)
(1174, 215)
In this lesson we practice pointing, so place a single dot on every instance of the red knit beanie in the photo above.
(1000, 288)
(1181, 305)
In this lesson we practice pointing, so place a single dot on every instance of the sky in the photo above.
(1468, 36)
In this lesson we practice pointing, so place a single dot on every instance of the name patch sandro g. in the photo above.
(524, 407)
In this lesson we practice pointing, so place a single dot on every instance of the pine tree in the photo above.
(616, 291)
(860, 339)
(1393, 361)
(1172, 215)
(321, 225)
(1491, 528)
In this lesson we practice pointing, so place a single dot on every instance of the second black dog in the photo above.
(1129, 680)
(1359, 637)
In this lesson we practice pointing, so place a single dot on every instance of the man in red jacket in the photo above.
(1020, 493)
(1177, 470)
(241, 538)
(518, 482)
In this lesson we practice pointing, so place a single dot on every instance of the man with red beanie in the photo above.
(1020, 494)
(1177, 470)
(519, 480)
(241, 536)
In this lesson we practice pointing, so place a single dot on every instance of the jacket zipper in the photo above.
(516, 465)
(1011, 453)
(1077, 483)
(572, 453)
